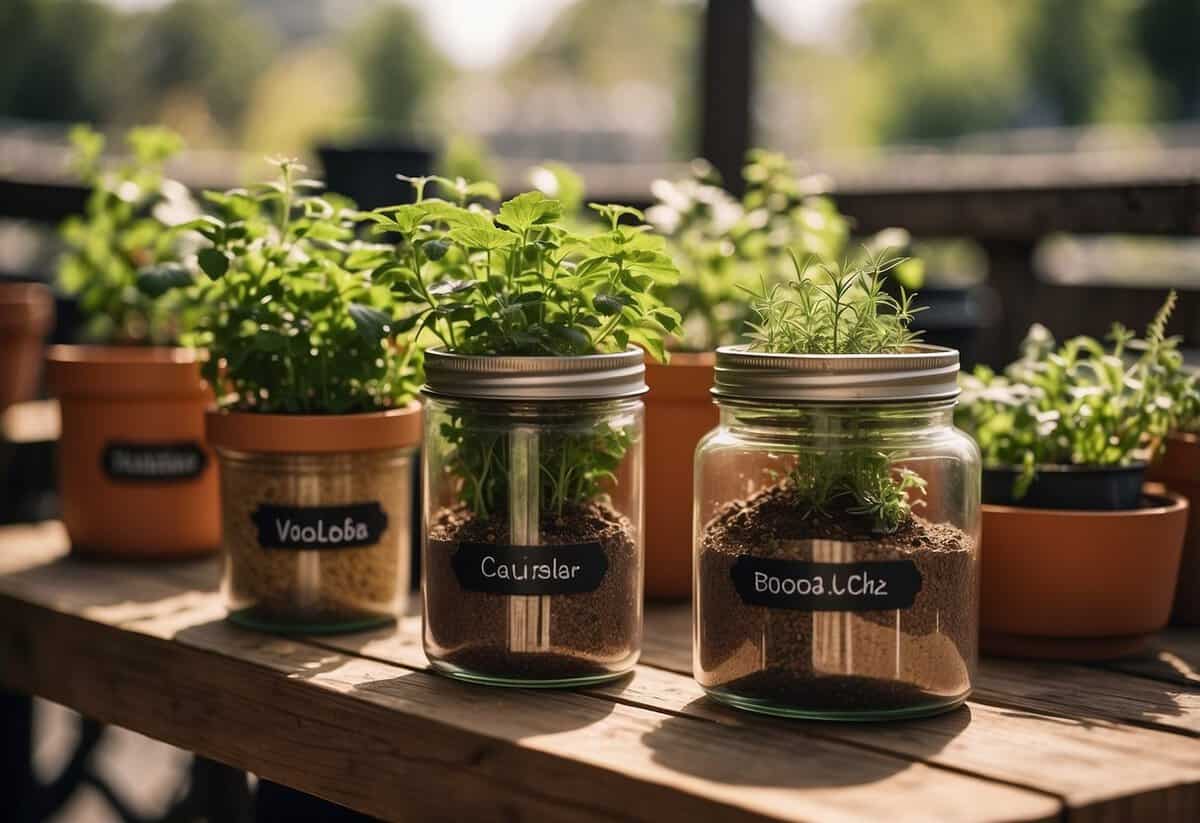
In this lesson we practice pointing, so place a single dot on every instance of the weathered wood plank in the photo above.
(396, 742)
(1174, 658)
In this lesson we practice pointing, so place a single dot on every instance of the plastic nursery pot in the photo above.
(1179, 470)
(315, 516)
(679, 411)
(135, 478)
(26, 314)
(1086, 488)
(1079, 585)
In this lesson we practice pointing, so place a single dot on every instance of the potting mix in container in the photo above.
(837, 511)
(317, 423)
(1079, 562)
(135, 477)
(532, 462)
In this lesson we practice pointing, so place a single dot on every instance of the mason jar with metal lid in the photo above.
(836, 536)
(533, 517)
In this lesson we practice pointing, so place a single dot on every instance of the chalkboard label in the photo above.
(319, 527)
(153, 462)
(573, 568)
(822, 587)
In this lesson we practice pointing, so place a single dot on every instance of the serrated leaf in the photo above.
(527, 210)
(476, 231)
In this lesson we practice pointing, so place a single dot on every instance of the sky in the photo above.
(477, 34)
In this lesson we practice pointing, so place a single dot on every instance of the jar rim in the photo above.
(607, 376)
(921, 372)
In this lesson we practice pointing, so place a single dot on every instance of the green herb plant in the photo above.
(520, 282)
(293, 321)
(1079, 404)
(845, 311)
(726, 244)
(122, 253)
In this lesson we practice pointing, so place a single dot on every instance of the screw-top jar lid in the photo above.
(512, 377)
(920, 372)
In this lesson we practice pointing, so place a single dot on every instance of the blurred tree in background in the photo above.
(397, 65)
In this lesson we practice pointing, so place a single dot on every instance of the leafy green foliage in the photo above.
(573, 467)
(844, 311)
(1081, 403)
(858, 482)
(293, 320)
(122, 253)
(519, 282)
(841, 311)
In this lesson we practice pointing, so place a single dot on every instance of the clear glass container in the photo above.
(836, 540)
(315, 542)
(532, 563)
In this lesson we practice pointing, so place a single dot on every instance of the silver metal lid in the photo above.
(505, 377)
(921, 372)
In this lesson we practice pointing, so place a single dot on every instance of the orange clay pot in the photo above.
(679, 411)
(1078, 585)
(26, 314)
(1179, 470)
(134, 475)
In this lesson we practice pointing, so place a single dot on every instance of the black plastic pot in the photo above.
(1076, 488)
(365, 171)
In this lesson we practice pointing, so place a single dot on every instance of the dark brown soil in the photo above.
(836, 660)
(590, 633)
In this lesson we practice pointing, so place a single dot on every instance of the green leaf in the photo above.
(371, 323)
(476, 231)
(213, 262)
(527, 210)
(158, 280)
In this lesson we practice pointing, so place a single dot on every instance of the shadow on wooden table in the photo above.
(816, 758)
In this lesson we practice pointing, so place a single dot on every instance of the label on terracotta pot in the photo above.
(812, 586)
(153, 462)
(319, 527)
(570, 568)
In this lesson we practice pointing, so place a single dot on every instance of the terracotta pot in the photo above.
(1179, 470)
(679, 411)
(135, 478)
(26, 314)
(1078, 585)
(316, 515)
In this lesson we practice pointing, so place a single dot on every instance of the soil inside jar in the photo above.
(590, 633)
(873, 660)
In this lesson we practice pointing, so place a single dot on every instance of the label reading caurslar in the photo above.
(811, 586)
(153, 462)
(563, 569)
(319, 527)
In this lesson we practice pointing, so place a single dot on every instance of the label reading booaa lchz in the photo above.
(153, 462)
(319, 527)
(574, 568)
(816, 586)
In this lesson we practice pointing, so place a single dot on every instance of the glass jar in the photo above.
(315, 516)
(836, 537)
(532, 562)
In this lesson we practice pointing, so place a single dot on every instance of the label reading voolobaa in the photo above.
(319, 527)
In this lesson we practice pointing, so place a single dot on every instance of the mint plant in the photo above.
(1081, 403)
(293, 321)
(519, 282)
(122, 253)
(842, 311)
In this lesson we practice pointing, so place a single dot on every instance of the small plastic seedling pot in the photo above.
(1073, 488)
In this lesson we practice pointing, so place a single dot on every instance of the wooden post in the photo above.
(1012, 279)
(727, 87)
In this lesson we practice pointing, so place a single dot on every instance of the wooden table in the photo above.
(359, 720)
